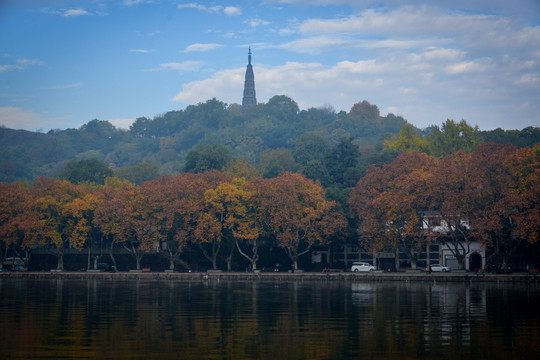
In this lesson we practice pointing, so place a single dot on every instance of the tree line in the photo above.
(272, 135)
(212, 211)
(489, 195)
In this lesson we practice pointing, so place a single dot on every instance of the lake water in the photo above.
(169, 319)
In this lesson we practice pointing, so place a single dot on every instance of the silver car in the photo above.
(361, 267)
(439, 268)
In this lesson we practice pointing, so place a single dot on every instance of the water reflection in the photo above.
(265, 320)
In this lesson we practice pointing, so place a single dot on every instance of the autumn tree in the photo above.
(390, 202)
(113, 212)
(14, 203)
(61, 216)
(504, 188)
(129, 214)
(450, 206)
(240, 168)
(186, 217)
(365, 111)
(233, 207)
(294, 211)
(408, 140)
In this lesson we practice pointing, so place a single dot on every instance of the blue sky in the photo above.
(64, 63)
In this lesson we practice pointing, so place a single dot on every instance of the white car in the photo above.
(439, 268)
(361, 267)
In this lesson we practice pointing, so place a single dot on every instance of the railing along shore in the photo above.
(281, 276)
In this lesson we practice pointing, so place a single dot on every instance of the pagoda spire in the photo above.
(249, 98)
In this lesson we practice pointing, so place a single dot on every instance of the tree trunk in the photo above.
(112, 256)
(60, 263)
(229, 259)
(253, 259)
(215, 251)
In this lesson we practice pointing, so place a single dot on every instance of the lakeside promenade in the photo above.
(281, 276)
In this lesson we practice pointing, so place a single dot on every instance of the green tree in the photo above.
(342, 164)
(86, 171)
(452, 136)
(203, 158)
(310, 147)
(282, 108)
(274, 162)
(137, 174)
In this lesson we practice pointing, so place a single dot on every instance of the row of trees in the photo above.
(489, 195)
(212, 210)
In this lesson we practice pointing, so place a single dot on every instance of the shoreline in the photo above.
(279, 276)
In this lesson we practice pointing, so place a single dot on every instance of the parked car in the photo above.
(362, 267)
(439, 268)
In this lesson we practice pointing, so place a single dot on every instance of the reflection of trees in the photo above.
(210, 319)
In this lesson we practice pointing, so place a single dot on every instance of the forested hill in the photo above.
(276, 136)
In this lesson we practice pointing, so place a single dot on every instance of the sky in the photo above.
(64, 63)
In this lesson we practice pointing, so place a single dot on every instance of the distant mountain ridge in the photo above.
(166, 139)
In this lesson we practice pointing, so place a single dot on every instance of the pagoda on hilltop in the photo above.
(249, 98)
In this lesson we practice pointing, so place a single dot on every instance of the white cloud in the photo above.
(75, 12)
(515, 8)
(17, 118)
(529, 80)
(141, 51)
(201, 47)
(465, 67)
(258, 22)
(423, 87)
(122, 123)
(72, 12)
(473, 33)
(232, 10)
(21, 64)
(227, 10)
(179, 66)
(136, 2)
(314, 45)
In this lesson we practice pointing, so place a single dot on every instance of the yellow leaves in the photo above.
(408, 140)
(79, 234)
(116, 183)
(242, 169)
(232, 203)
